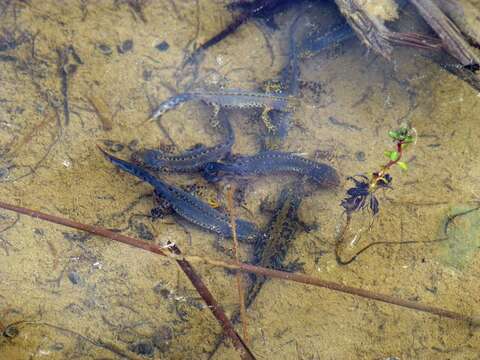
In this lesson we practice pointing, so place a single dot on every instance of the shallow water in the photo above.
(87, 298)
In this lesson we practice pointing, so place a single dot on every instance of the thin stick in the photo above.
(238, 276)
(247, 268)
(213, 305)
(194, 278)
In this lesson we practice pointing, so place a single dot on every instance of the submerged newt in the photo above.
(286, 85)
(189, 161)
(188, 206)
(230, 98)
(272, 162)
(163, 207)
(271, 247)
(315, 42)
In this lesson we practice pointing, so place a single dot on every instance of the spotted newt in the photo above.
(188, 206)
(189, 161)
(272, 162)
(231, 98)
(272, 245)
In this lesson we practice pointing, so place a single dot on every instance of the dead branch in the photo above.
(246, 268)
(187, 268)
(452, 39)
(465, 15)
(368, 28)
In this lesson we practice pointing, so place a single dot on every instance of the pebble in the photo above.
(143, 348)
(162, 338)
(74, 277)
(125, 46)
(360, 155)
(163, 46)
(104, 49)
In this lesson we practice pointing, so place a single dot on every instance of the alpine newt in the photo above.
(189, 161)
(272, 162)
(271, 247)
(231, 98)
(287, 85)
(188, 206)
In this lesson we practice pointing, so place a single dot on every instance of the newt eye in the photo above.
(210, 172)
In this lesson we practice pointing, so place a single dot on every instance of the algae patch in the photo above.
(462, 227)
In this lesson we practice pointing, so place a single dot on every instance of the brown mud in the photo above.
(84, 297)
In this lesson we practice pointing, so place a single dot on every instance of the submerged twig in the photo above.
(465, 15)
(243, 267)
(453, 40)
(63, 72)
(454, 43)
(368, 28)
(216, 309)
(182, 262)
(231, 28)
(13, 329)
(238, 276)
(102, 111)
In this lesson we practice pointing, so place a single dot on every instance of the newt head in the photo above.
(325, 175)
(114, 160)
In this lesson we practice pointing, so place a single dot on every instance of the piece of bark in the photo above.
(416, 40)
(371, 30)
(453, 40)
(465, 15)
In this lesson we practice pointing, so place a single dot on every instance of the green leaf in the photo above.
(409, 139)
(387, 153)
(394, 155)
(393, 134)
(403, 165)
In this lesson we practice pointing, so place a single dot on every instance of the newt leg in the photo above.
(214, 119)
(266, 120)
(294, 266)
(162, 207)
(204, 193)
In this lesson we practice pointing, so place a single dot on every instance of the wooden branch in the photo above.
(370, 30)
(246, 268)
(194, 278)
(465, 15)
(453, 40)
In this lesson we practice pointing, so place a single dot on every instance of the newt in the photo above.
(286, 85)
(191, 160)
(163, 207)
(272, 162)
(316, 42)
(187, 205)
(271, 247)
(230, 98)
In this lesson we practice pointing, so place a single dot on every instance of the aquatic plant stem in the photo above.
(186, 267)
(246, 268)
(238, 276)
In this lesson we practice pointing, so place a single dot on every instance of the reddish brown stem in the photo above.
(194, 278)
(212, 304)
(247, 268)
(393, 162)
(238, 276)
